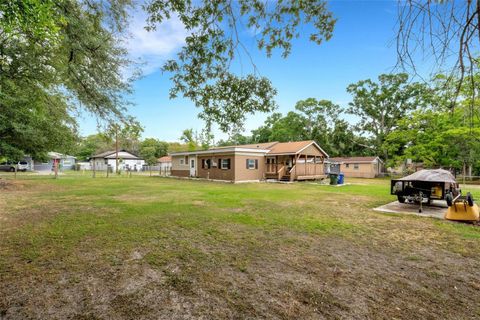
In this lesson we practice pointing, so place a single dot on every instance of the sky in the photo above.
(362, 47)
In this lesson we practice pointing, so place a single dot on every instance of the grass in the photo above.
(150, 247)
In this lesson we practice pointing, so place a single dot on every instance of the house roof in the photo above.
(263, 145)
(111, 154)
(354, 159)
(293, 147)
(271, 148)
(165, 159)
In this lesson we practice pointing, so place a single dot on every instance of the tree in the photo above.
(58, 58)
(188, 136)
(92, 144)
(160, 147)
(264, 133)
(235, 139)
(202, 69)
(149, 154)
(437, 138)
(380, 104)
(434, 28)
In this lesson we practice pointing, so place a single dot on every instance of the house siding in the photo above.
(180, 173)
(180, 170)
(244, 174)
(312, 151)
(365, 170)
(216, 173)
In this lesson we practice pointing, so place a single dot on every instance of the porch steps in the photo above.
(285, 179)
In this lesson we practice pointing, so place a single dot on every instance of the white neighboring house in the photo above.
(126, 161)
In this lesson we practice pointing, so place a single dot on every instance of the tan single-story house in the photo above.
(286, 161)
(358, 167)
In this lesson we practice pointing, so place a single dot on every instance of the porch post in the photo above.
(315, 165)
(306, 158)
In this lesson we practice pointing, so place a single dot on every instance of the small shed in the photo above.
(357, 167)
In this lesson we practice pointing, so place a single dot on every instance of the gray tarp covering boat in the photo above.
(436, 175)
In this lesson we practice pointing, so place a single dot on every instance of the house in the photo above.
(64, 162)
(165, 164)
(286, 161)
(126, 161)
(356, 167)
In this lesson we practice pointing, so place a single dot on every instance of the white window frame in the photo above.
(251, 164)
(223, 163)
(356, 166)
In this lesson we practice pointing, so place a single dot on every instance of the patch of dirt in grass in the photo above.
(394, 268)
(308, 277)
(11, 185)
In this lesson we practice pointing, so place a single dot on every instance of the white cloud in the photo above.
(153, 48)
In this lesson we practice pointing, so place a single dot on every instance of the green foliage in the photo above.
(58, 58)
(127, 132)
(436, 138)
(92, 144)
(379, 105)
(148, 153)
(160, 148)
(314, 120)
(196, 141)
(201, 71)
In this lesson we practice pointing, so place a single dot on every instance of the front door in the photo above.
(193, 172)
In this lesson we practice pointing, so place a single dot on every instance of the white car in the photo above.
(10, 166)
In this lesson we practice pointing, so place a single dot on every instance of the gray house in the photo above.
(64, 161)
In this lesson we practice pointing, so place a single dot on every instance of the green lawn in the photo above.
(151, 247)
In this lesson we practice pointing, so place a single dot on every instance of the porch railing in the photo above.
(281, 172)
(271, 167)
(306, 169)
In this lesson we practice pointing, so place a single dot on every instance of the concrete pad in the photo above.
(436, 209)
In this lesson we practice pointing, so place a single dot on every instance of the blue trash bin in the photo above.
(340, 178)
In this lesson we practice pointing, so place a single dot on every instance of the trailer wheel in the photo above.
(12, 169)
(449, 199)
(401, 199)
(469, 199)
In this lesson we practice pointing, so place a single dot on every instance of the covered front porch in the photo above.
(294, 167)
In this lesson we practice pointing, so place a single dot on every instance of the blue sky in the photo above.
(362, 46)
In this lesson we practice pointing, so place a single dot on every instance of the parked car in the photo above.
(10, 166)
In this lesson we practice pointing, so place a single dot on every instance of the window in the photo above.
(355, 166)
(347, 165)
(225, 163)
(186, 159)
(192, 163)
(205, 163)
(106, 161)
(252, 164)
(182, 161)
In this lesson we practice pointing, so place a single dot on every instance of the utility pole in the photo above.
(116, 149)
